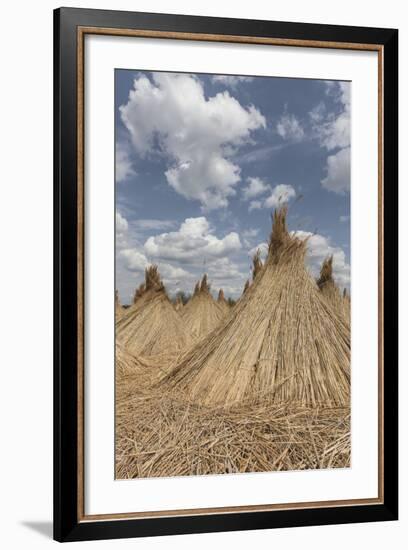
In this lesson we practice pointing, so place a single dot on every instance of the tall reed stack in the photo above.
(202, 313)
(222, 302)
(119, 310)
(281, 341)
(151, 328)
(330, 290)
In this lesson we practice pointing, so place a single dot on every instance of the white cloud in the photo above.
(231, 80)
(263, 249)
(319, 247)
(318, 113)
(255, 205)
(225, 269)
(249, 235)
(192, 243)
(124, 168)
(152, 224)
(259, 154)
(121, 223)
(122, 227)
(255, 187)
(289, 128)
(333, 129)
(338, 172)
(134, 259)
(171, 115)
(280, 194)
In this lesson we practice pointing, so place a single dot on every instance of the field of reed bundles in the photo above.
(208, 386)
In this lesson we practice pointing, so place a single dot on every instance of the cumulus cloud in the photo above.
(255, 187)
(319, 247)
(255, 205)
(248, 236)
(134, 259)
(194, 242)
(250, 233)
(122, 227)
(335, 130)
(279, 195)
(153, 225)
(332, 129)
(338, 172)
(171, 115)
(231, 80)
(289, 128)
(124, 168)
(263, 249)
(224, 268)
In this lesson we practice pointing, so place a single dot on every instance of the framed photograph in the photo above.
(225, 274)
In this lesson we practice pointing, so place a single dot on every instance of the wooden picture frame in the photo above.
(70, 27)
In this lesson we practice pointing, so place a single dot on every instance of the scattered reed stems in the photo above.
(167, 435)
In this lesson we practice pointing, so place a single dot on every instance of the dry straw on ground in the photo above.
(282, 340)
(165, 435)
(202, 314)
(151, 328)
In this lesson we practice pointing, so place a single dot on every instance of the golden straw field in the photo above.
(206, 387)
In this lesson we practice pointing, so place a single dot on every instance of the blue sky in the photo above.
(202, 161)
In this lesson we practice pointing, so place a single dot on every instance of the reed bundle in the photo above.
(202, 313)
(151, 327)
(178, 306)
(222, 302)
(119, 310)
(281, 340)
(257, 264)
(347, 305)
(330, 290)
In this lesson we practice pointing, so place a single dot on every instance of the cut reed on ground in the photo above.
(261, 386)
(166, 435)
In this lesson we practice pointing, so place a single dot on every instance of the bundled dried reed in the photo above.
(119, 311)
(140, 290)
(202, 314)
(152, 327)
(178, 304)
(166, 435)
(246, 287)
(347, 305)
(127, 364)
(282, 340)
(257, 264)
(330, 290)
(222, 302)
